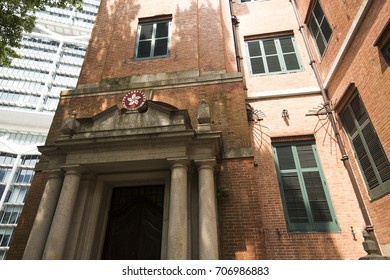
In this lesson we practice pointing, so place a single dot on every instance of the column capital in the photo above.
(179, 162)
(54, 173)
(74, 169)
(206, 163)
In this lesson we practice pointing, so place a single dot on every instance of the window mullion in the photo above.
(321, 33)
(263, 57)
(152, 44)
(169, 38)
(279, 53)
(138, 39)
(302, 186)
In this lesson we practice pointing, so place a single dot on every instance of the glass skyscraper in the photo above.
(52, 56)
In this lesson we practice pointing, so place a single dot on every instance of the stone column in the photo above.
(208, 228)
(60, 227)
(43, 220)
(177, 228)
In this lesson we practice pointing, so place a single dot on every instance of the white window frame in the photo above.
(279, 53)
(151, 56)
(320, 30)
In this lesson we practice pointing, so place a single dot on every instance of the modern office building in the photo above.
(217, 129)
(52, 56)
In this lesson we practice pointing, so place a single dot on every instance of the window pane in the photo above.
(2, 255)
(144, 49)
(317, 11)
(269, 47)
(4, 173)
(291, 61)
(2, 188)
(326, 30)
(146, 32)
(285, 158)
(306, 156)
(254, 49)
(257, 65)
(286, 44)
(320, 44)
(161, 47)
(273, 64)
(162, 30)
(359, 110)
(365, 163)
(378, 155)
(315, 192)
(349, 122)
(5, 235)
(313, 27)
(294, 199)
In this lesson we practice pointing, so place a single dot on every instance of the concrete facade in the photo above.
(211, 131)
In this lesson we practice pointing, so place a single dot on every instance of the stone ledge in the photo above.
(155, 81)
(238, 153)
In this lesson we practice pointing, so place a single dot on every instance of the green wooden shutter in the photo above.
(372, 159)
(306, 203)
(365, 163)
(376, 152)
(313, 183)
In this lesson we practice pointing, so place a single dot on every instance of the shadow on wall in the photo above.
(197, 29)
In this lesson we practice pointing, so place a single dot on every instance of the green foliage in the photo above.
(222, 193)
(16, 17)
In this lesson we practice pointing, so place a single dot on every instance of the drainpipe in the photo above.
(368, 225)
(235, 22)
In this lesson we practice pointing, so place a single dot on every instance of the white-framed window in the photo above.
(319, 28)
(273, 55)
(153, 39)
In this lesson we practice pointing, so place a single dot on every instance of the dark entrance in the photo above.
(134, 228)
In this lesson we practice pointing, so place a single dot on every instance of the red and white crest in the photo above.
(134, 100)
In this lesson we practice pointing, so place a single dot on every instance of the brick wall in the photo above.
(240, 217)
(277, 242)
(197, 39)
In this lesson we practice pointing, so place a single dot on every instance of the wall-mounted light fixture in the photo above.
(285, 114)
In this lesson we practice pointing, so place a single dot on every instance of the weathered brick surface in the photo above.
(197, 39)
(277, 242)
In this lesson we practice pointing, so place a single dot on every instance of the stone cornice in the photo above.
(153, 82)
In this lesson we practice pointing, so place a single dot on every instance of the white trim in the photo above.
(10, 181)
(49, 34)
(281, 93)
(364, 7)
(31, 121)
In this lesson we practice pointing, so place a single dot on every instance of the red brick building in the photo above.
(202, 130)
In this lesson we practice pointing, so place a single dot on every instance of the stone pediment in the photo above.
(159, 117)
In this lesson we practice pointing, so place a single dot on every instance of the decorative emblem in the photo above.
(134, 100)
